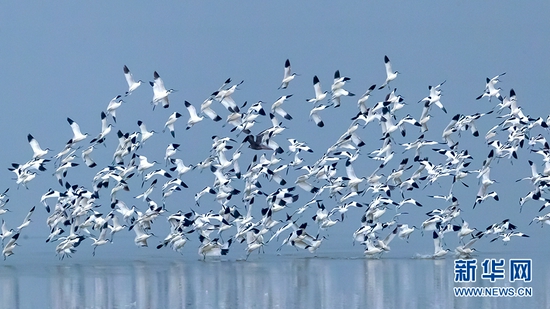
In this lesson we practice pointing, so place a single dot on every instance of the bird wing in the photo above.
(287, 69)
(387, 64)
(128, 76)
(34, 144)
(191, 109)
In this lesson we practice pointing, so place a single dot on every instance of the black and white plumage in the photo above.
(160, 93)
(390, 74)
(170, 123)
(231, 179)
(38, 152)
(132, 84)
(288, 75)
(319, 94)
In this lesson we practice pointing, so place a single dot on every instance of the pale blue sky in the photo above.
(66, 60)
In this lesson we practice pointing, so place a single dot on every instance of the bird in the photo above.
(144, 164)
(180, 167)
(490, 90)
(145, 135)
(337, 89)
(102, 239)
(506, 237)
(54, 234)
(354, 181)
(142, 236)
(207, 189)
(224, 96)
(10, 246)
(314, 115)
(405, 231)
(132, 84)
(126, 212)
(105, 129)
(38, 152)
(193, 117)
(390, 74)
(337, 94)
(371, 250)
(482, 193)
(319, 94)
(434, 97)
(170, 123)
(295, 145)
(77, 134)
(208, 111)
(438, 251)
(213, 247)
(385, 243)
(276, 107)
(160, 93)
(170, 152)
(61, 171)
(173, 182)
(68, 245)
(288, 75)
(256, 143)
(115, 227)
(114, 104)
(158, 172)
(465, 230)
(26, 221)
(363, 99)
(466, 251)
(6, 233)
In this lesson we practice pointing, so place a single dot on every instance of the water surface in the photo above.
(264, 281)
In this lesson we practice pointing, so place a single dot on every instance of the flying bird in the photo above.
(288, 75)
(132, 84)
(160, 94)
(390, 74)
(319, 94)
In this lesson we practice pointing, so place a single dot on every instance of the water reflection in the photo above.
(278, 282)
(9, 288)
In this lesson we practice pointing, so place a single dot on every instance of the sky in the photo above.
(66, 61)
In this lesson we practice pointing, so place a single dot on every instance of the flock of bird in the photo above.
(238, 207)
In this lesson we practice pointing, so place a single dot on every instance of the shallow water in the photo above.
(264, 281)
